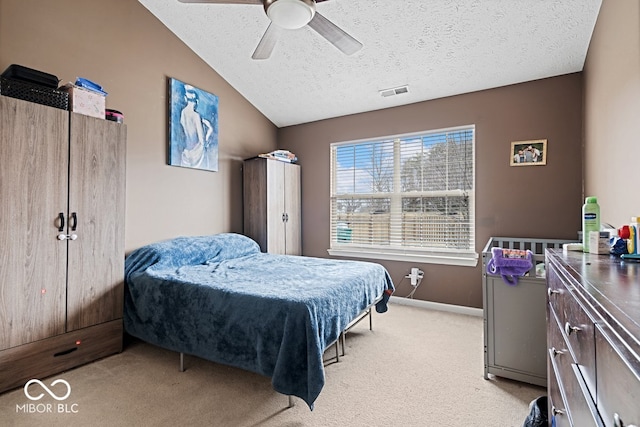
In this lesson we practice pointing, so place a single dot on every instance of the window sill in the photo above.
(461, 259)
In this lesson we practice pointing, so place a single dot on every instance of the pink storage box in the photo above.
(85, 101)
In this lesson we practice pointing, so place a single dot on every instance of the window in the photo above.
(408, 197)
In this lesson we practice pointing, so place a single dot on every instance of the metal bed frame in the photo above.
(341, 340)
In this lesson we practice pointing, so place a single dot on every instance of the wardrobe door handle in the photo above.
(74, 218)
(61, 218)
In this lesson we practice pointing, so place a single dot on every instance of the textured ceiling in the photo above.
(436, 47)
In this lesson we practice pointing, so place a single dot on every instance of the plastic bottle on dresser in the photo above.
(632, 240)
(590, 220)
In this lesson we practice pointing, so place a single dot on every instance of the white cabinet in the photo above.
(62, 194)
(271, 195)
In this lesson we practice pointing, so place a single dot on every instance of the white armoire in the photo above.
(271, 195)
(62, 196)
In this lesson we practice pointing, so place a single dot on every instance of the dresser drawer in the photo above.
(579, 405)
(556, 290)
(579, 410)
(578, 329)
(53, 355)
(618, 380)
(558, 414)
(556, 342)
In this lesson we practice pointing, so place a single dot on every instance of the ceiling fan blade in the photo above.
(223, 1)
(334, 34)
(267, 42)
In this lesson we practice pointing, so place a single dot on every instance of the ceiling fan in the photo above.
(291, 15)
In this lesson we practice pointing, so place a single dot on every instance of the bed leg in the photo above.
(291, 402)
(343, 338)
(370, 319)
(338, 349)
(181, 362)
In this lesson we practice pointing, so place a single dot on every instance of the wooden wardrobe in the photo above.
(62, 198)
(271, 195)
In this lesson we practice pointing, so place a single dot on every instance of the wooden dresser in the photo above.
(593, 337)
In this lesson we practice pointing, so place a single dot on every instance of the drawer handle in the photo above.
(550, 292)
(617, 422)
(555, 411)
(556, 351)
(568, 329)
(65, 352)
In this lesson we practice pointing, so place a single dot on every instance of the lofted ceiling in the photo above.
(437, 48)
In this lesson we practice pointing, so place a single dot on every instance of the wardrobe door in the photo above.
(254, 199)
(293, 225)
(33, 195)
(276, 213)
(96, 217)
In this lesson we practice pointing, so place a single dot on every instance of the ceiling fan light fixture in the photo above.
(290, 14)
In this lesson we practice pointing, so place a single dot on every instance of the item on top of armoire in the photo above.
(282, 155)
(89, 85)
(34, 93)
(29, 75)
(85, 101)
(114, 115)
(510, 264)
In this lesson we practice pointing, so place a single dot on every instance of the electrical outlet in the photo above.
(415, 275)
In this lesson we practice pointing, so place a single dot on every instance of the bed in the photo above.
(219, 298)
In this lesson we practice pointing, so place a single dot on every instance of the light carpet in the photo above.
(416, 368)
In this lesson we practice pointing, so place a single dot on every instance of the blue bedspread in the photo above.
(218, 297)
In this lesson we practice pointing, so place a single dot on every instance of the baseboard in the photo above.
(430, 305)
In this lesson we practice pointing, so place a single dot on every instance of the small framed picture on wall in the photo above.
(529, 153)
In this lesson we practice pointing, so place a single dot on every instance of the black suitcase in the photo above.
(29, 75)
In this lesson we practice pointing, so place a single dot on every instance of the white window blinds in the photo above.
(405, 194)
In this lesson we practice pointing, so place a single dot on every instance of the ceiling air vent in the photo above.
(394, 91)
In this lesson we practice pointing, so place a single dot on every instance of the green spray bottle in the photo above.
(590, 220)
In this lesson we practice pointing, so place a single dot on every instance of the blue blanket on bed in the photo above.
(218, 297)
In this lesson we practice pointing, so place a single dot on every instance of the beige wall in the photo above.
(612, 111)
(122, 46)
(535, 201)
